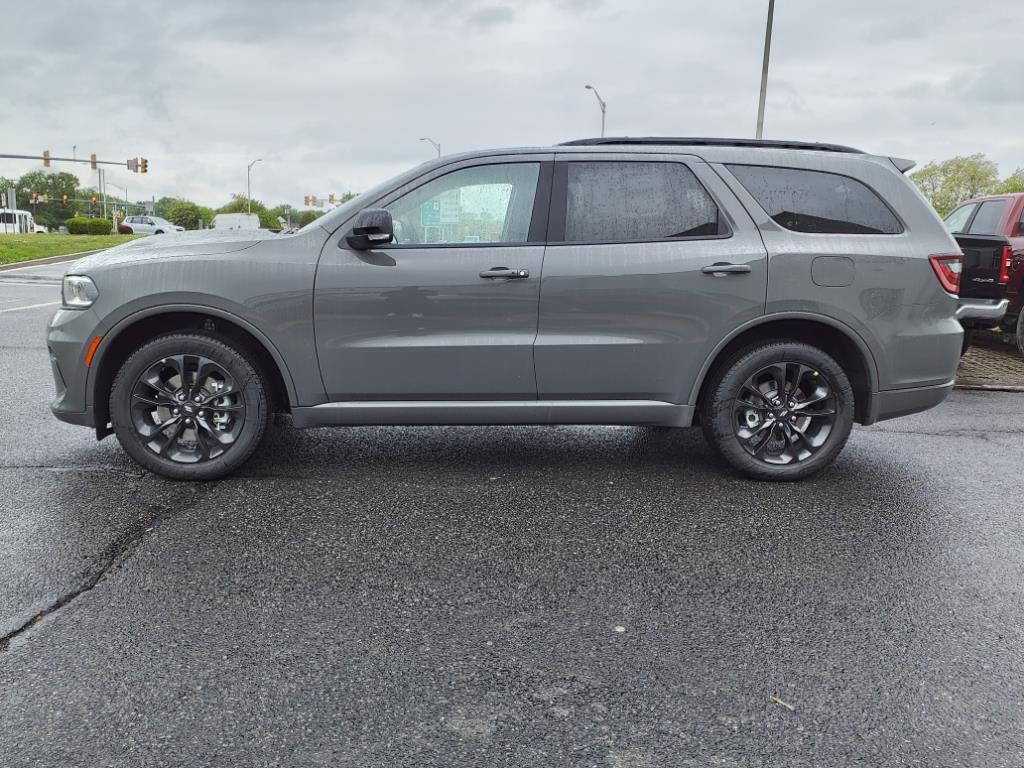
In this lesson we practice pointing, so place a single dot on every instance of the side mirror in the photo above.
(372, 229)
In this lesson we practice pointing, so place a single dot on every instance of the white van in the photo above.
(235, 221)
(14, 222)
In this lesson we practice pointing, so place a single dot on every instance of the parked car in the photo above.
(235, 221)
(997, 269)
(772, 292)
(151, 225)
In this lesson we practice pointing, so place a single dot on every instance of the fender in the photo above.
(843, 328)
(162, 309)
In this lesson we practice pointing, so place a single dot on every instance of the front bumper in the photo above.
(67, 336)
(984, 310)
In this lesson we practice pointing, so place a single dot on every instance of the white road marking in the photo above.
(30, 306)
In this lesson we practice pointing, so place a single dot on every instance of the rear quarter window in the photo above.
(817, 202)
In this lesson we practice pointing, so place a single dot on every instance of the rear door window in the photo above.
(957, 220)
(634, 201)
(817, 202)
(986, 220)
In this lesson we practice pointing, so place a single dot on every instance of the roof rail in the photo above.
(709, 142)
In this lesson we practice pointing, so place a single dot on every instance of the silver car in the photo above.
(151, 225)
(773, 293)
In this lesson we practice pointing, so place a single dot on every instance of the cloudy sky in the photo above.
(334, 94)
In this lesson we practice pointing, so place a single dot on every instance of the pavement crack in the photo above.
(113, 555)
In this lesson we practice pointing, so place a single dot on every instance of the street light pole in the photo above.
(248, 183)
(764, 67)
(434, 144)
(601, 102)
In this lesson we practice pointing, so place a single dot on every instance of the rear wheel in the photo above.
(189, 407)
(1020, 331)
(779, 411)
(968, 341)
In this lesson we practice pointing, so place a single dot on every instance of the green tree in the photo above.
(947, 183)
(241, 204)
(162, 207)
(308, 217)
(52, 186)
(1011, 184)
(184, 214)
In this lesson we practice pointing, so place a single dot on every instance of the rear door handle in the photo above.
(722, 269)
(496, 273)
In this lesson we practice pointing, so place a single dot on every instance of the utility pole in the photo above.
(764, 68)
(602, 103)
(248, 183)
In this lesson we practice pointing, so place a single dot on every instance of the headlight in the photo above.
(78, 291)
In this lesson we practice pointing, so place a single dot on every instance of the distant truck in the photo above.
(235, 221)
(990, 232)
(14, 222)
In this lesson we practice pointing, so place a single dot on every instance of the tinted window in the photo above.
(957, 220)
(486, 204)
(635, 201)
(990, 213)
(817, 202)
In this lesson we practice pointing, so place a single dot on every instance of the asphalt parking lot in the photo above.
(516, 596)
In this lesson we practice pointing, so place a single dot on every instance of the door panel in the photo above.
(638, 320)
(417, 320)
(410, 324)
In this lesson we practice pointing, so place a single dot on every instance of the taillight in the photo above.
(947, 269)
(1004, 264)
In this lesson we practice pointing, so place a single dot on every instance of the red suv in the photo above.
(999, 215)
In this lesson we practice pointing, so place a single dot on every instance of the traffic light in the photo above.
(35, 198)
(143, 165)
(330, 198)
(92, 162)
(315, 200)
(92, 200)
(65, 198)
(46, 158)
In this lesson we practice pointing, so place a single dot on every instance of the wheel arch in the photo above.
(124, 337)
(836, 339)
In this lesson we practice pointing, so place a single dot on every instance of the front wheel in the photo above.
(189, 407)
(779, 411)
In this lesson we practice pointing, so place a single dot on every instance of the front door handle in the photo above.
(496, 273)
(722, 269)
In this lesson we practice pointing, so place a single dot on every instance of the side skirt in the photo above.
(472, 412)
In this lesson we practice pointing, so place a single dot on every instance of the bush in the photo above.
(78, 225)
(99, 227)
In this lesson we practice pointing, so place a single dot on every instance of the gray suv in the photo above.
(772, 292)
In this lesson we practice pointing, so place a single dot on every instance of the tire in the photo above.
(202, 430)
(1019, 335)
(768, 441)
(158, 232)
(968, 341)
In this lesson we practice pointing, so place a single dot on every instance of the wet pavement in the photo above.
(515, 596)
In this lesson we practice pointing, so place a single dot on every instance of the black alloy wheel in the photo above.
(784, 413)
(189, 406)
(778, 410)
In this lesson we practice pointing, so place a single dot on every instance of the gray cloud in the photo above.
(334, 95)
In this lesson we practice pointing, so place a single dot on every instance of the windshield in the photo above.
(333, 218)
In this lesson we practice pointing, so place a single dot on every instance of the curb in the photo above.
(989, 387)
(48, 260)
